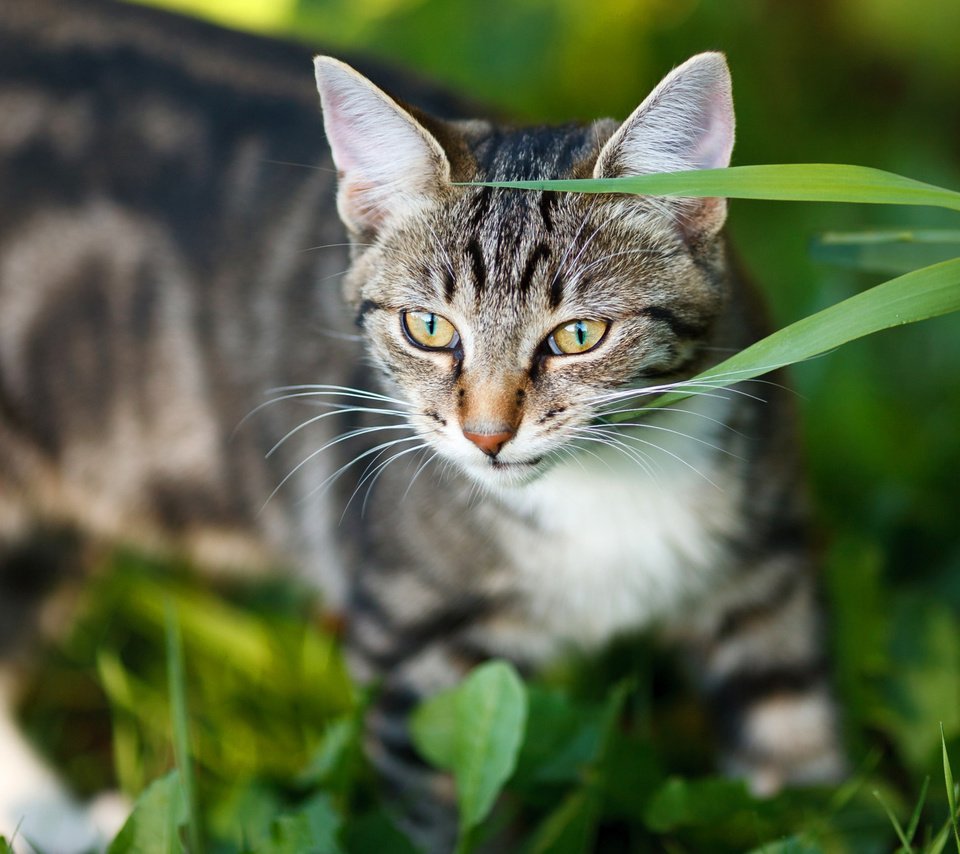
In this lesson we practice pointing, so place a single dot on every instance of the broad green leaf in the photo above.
(334, 763)
(683, 803)
(475, 731)
(491, 713)
(798, 182)
(887, 251)
(561, 740)
(181, 728)
(922, 294)
(434, 729)
(312, 829)
(153, 826)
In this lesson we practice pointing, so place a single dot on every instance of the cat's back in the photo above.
(163, 186)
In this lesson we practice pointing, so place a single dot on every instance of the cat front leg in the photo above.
(405, 637)
(761, 660)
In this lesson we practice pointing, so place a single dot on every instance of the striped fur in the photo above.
(162, 265)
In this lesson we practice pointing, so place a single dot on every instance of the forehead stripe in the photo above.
(540, 253)
(479, 268)
(680, 327)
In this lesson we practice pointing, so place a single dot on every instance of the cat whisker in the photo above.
(343, 411)
(642, 425)
(328, 482)
(443, 249)
(634, 454)
(371, 477)
(310, 394)
(563, 260)
(655, 409)
(332, 246)
(346, 391)
(313, 454)
(603, 259)
(669, 453)
(418, 472)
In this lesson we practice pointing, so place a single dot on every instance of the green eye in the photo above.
(430, 331)
(577, 336)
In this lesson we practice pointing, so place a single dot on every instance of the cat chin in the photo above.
(497, 475)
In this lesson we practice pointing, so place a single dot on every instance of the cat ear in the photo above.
(685, 123)
(386, 161)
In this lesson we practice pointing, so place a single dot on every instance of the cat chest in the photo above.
(606, 548)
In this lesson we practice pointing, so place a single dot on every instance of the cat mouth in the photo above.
(501, 465)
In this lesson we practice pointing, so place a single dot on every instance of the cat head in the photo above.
(506, 318)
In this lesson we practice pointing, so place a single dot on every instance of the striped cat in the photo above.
(454, 492)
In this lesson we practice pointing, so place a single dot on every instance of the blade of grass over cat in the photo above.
(922, 294)
(798, 182)
(181, 731)
(891, 251)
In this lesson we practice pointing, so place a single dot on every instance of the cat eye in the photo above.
(577, 336)
(429, 331)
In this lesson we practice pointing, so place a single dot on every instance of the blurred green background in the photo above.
(870, 82)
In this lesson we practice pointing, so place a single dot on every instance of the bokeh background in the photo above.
(871, 82)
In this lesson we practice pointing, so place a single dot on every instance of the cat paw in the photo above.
(53, 821)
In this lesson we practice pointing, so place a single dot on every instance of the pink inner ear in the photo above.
(715, 146)
(340, 131)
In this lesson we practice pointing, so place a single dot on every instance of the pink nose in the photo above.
(489, 443)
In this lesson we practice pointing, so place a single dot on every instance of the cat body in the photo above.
(433, 460)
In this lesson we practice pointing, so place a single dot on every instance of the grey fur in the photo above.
(159, 274)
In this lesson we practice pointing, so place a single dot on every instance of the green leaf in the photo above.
(5, 847)
(897, 827)
(154, 825)
(887, 251)
(922, 294)
(181, 728)
(434, 728)
(686, 803)
(312, 829)
(561, 740)
(918, 809)
(376, 832)
(570, 829)
(475, 731)
(798, 182)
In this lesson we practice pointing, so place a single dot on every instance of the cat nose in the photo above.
(489, 443)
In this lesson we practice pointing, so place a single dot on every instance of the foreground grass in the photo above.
(610, 755)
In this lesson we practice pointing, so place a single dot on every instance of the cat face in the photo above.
(505, 319)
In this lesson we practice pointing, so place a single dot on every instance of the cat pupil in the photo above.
(431, 324)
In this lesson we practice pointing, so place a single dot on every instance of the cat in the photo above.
(455, 493)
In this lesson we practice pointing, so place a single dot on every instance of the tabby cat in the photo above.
(454, 492)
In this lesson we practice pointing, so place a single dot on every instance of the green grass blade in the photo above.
(951, 791)
(890, 235)
(919, 295)
(904, 841)
(798, 182)
(918, 809)
(181, 730)
(888, 251)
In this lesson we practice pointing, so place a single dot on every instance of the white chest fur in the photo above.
(604, 545)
